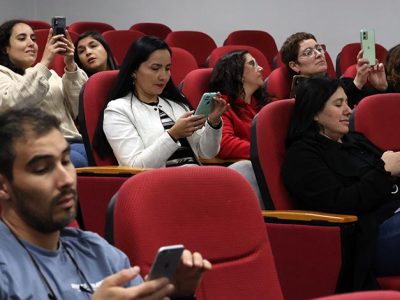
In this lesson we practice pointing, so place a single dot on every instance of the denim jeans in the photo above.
(78, 155)
(387, 260)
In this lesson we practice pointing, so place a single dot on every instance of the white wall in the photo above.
(334, 22)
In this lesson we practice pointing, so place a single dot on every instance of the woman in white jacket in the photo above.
(24, 84)
(148, 123)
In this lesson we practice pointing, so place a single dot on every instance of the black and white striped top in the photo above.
(184, 154)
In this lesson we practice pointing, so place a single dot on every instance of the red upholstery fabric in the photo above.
(58, 64)
(378, 118)
(217, 53)
(278, 84)
(369, 295)
(120, 41)
(192, 206)
(156, 29)
(351, 71)
(182, 62)
(83, 26)
(94, 193)
(91, 104)
(195, 84)
(198, 43)
(348, 56)
(307, 258)
(38, 24)
(261, 40)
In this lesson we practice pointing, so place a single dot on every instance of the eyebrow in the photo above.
(39, 158)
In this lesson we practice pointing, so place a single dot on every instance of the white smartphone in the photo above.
(367, 37)
(166, 262)
(205, 105)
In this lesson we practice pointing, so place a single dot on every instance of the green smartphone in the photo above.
(205, 104)
(367, 37)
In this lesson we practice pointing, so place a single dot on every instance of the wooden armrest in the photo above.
(302, 215)
(218, 161)
(111, 170)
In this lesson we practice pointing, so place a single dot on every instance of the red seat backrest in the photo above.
(182, 62)
(38, 24)
(198, 43)
(378, 118)
(91, 105)
(156, 29)
(120, 41)
(267, 152)
(278, 83)
(83, 26)
(226, 228)
(348, 56)
(258, 39)
(195, 84)
(217, 53)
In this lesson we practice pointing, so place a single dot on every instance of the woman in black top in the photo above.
(330, 169)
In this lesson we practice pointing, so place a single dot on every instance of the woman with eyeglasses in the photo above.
(302, 55)
(238, 77)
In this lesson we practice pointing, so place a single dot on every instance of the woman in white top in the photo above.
(148, 123)
(24, 84)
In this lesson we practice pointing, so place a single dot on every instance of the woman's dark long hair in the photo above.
(111, 63)
(5, 34)
(392, 67)
(226, 78)
(138, 53)
(311, 96)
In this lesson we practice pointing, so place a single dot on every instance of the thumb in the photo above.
(187, 114)
(122, 277)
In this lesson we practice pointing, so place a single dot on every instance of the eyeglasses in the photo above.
(252, 62)
(310, 51)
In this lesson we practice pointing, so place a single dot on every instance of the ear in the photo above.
(4, 189)
(294, 66)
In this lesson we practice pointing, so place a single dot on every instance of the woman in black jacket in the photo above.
(330, 169)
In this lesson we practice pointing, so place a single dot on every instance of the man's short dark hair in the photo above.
(15, 123)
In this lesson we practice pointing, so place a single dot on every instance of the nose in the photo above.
(259, 68)
(347, 110)
(164, 75)
(66, 175)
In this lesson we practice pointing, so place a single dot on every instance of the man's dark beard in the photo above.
(43, 222)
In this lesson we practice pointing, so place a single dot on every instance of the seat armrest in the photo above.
(302, 215)
(110, 170)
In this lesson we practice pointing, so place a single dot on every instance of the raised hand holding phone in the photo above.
(205, 104)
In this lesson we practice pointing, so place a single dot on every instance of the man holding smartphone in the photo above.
(42, 258)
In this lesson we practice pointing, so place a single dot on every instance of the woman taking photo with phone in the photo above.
(25, 84)
(148, 123)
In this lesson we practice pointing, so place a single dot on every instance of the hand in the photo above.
(219, 107)
(186, 125)
(188, 275)
(392, 162)
(69, 53)
(112, 287)
(53, 46)
(362, 71)
(377, 76)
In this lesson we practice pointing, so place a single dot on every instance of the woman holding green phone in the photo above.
(148, 123)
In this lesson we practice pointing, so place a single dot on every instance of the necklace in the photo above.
(87, 287)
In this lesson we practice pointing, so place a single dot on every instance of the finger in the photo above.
(186, 258)
(122, 277)
(68, 35)
(187, 114)
(49, 36)
(359, 55)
